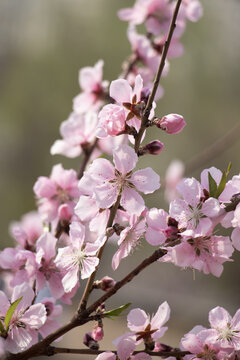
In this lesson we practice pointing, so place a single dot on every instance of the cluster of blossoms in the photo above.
(220, 342)
(78, 213)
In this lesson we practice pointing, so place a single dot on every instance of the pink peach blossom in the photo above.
(60, 188)
(90, 81)
(78, 131)
(129, 239)
(77, 257)
(109, 182)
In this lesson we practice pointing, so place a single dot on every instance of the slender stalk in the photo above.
(86, 156)
(148, 108)
(57, 350)
(151, 259)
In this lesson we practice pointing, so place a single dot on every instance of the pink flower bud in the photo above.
(97, 333)
(154, 147)
(107, 283)
(171, 123)
(65, 212)
(162, 347)
(89, 341)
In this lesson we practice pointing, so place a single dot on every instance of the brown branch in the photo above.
(148, 108)
(42, 348)
(87, 152)
(56, 350)
(148, 261)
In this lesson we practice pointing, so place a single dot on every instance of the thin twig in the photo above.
(57, 350)
(148, 108)
(86, 156)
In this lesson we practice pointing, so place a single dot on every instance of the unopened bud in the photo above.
(89, 341)
(65, 212)
(107, 283)
(162, 347)
(154, 148)
(97, 333)
(172, 123)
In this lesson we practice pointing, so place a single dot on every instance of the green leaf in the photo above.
(10, 311)
(228, 168)
(116, 312)
(221, 185)
(212, 186)
(223, 182)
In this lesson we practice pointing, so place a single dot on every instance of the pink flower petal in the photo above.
(125, 348)
(124, 158)
(132, 202)
(146, 180)
(47, 242)
(26, 292)
(106, 195)
(89, 266)
(107, 355)
(236, 238)
(44, 187)
(191, 191)
(161, 317)
(120, 91)
(101, 170)
(35, 316)
(77, 234)
(137, 320)
(219, 318)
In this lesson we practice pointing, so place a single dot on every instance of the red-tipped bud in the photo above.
(89, 341)
(172, 123)
(65, 212)
(107, 283)
(154, 147)
(97, 333)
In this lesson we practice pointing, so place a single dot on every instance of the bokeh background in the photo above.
(43, 44)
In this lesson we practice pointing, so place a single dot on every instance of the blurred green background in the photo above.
(43, 44)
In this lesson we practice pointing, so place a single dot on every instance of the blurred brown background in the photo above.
(43, 44)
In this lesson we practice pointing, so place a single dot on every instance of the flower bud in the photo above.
(97, 333)
(154, 147)
(171, 123)
(65, 212)
(89, 341)
(107, 283)
(162, 347)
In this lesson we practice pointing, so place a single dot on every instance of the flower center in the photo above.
(208, 354)
(78, 258)
(195, 214)
(200, 244)
(122, 181)
(62, 195)
(227, 333)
